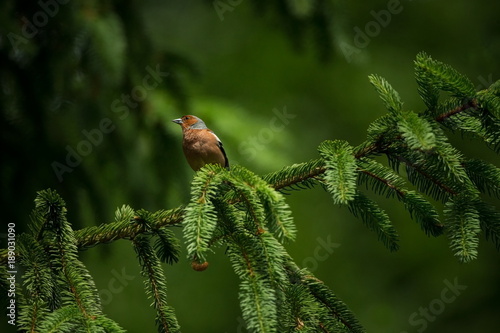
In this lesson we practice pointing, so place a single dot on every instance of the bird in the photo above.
(200, 145)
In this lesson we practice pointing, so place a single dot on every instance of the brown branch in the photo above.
(107, 233)
(110, 232)
(297, 180)
(368, 150)
(472, 104)
(385, 182)
(426, 175)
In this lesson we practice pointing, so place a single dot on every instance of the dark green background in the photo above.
(236, 71)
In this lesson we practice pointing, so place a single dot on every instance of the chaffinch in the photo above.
(201, 146)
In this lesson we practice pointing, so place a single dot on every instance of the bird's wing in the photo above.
(221, 147)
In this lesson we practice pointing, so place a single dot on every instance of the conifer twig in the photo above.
(107, 233)
(470, 104)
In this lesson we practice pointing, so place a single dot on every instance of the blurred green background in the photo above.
(86, 67)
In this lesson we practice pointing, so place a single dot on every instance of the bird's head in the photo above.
(190, 122)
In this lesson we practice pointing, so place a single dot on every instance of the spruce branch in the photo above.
(427, 183)
(60, 295)
(60, 242)
(485, 176)
(463, 222)
(155, 284)
(66, 319)
(167, 246)
(441, 76)
(301, 175)
(341, 170)
(389, 96)
(472, 104)
(489, 221)
(375, 219)
(124, 229)
(39, 283)
(257, 297)
(337, 309)
(386, 182)
(416, 132)
(200, 219)
(490, 99)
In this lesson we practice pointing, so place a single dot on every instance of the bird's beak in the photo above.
(177, 121)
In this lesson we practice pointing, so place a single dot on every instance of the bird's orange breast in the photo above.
(202, 147)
